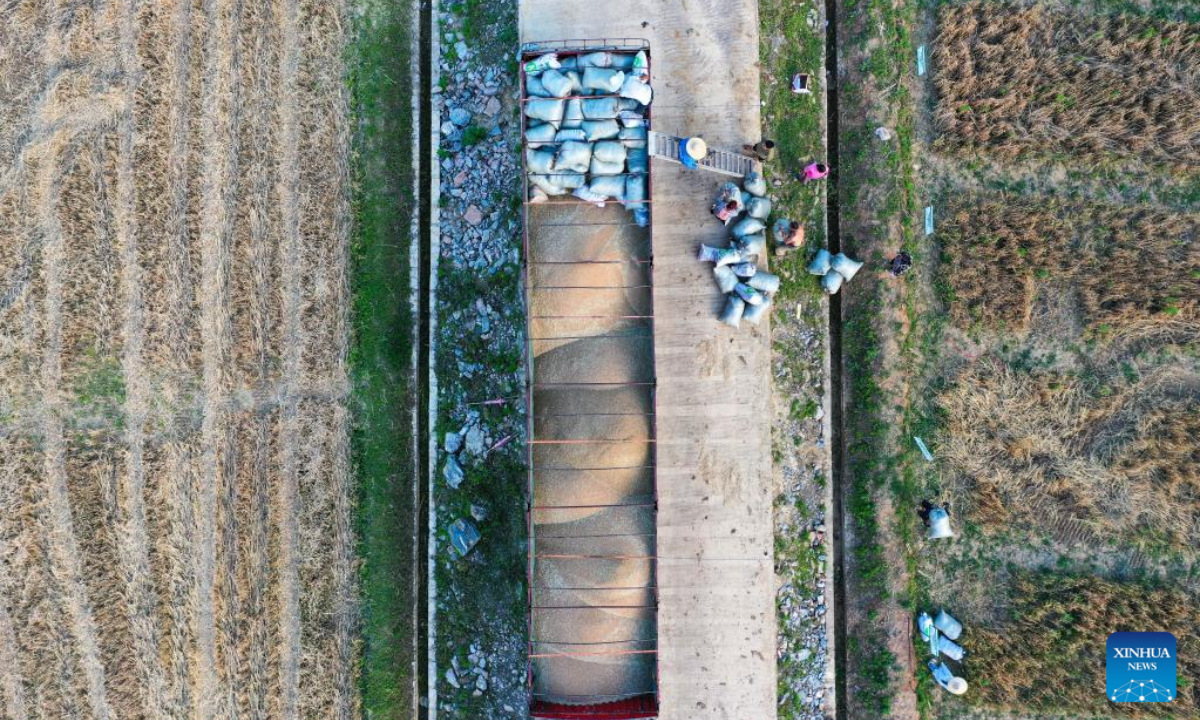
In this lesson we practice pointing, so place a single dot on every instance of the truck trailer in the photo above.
(588, 277)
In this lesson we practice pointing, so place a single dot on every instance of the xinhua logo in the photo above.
(1141, 667)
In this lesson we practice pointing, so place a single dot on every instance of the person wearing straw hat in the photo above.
(692, 151)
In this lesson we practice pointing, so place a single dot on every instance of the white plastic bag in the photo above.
(748, 226)
(726, 278)
(755, 313)
(599, 167)
(542, 62)
(745, 270)
(721, 256)
(576, 82)
(540, 133)
(845, 266)
(605, 80)
(596, 60)
(572, 114)
(557, 83)
(634, 89)
(749, 294)
(539, 161)
(764, 282)
(567, 134)
(832, 282)
(600, 108)
(547, 184)
(755, 184)
(759, 207)
(545, 109)
(534, 86)
(631, 118)
(641, 66)
(601, 129)
(569, 180)
(575, 156)
(635, 192)
(609, 186)
(586, 194)
(622, 61)
(638, 160)
(634, 138)
(609, 151)
(820, 263)
(755, 244)
(735, 307)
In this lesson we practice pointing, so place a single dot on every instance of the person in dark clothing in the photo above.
(900, 264)
(763, 150)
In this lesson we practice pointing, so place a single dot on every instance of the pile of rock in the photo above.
(803, 647)
(749, 290)
(459, 676)
(589, 131)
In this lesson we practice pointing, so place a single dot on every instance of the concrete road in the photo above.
(717, 614)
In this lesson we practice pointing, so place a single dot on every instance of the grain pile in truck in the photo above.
(588, 269)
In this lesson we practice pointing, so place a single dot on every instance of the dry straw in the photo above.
(170, 239)
(1041, 450)
(1126, 268)
(1016, 81)
(1049, 654)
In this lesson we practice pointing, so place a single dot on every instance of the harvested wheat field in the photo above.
(1042, 451)
(1017, 81)
(1121, 267)
(1043, 654)
(176, 538)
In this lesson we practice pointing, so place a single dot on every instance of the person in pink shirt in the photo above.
(815, 171)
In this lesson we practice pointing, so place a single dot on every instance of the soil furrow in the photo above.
(216, 674)
(285, 502)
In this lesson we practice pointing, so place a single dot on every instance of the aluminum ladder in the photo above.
(719, 161)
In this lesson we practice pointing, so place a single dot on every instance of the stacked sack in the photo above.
(588, 132)
(833, 269)
(749, 290)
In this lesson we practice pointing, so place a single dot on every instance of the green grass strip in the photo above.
(381, 354)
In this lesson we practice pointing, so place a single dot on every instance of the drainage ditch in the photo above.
(837, 408)
(424, 430)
